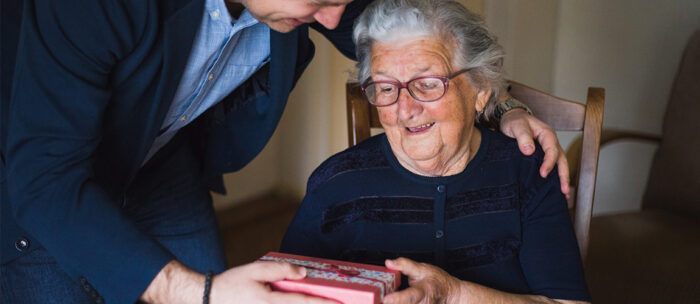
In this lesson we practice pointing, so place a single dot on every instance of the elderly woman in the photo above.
(436, 188)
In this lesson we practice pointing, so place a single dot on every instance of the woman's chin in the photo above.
(422, 158)
(420, 152)
(423, 161)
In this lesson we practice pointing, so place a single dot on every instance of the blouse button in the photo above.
(439, 234)
(441, 188)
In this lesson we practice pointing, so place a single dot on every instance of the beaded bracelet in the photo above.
(207, 287)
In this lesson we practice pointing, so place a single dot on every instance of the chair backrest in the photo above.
(560, 114)
(674, 177)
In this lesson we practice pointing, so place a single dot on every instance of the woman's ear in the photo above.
(481, 99)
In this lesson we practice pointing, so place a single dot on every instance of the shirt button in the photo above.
(214, 14)
(183, 118)
(439, 234)
(441, 188)
(87, 288)
(22, 244)
(211, 76)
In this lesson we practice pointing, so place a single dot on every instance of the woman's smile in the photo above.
(420, 129)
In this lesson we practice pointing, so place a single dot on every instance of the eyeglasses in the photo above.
(425, 88)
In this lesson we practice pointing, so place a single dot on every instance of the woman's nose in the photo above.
(409, 107)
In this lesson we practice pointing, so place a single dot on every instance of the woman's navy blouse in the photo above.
(498, 223)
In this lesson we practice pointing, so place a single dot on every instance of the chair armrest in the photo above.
(610, 135)
(573, 152)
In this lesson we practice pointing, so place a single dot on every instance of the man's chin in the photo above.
(280, 28)
(284, 25)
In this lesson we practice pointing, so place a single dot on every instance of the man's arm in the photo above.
(517, 122)
(66, 52)
(244, 284)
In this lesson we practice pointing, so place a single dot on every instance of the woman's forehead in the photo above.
(418, 54)
(414, 43)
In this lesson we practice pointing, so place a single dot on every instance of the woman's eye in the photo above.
(427, 85)
(386, 89)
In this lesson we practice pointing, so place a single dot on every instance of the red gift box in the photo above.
(348, 283)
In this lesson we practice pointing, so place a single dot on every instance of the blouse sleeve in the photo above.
(549, 255)
(303, 235)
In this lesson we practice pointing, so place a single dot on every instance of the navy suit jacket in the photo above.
(93, 81)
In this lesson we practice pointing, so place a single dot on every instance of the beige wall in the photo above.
(259, 177)
(312, 127)
(631, 48)
(526, 30)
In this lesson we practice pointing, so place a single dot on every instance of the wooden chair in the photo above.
(560, 114)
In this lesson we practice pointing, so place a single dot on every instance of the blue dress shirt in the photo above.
(225, 53)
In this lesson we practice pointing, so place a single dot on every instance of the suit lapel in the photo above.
(283, 53)
(181, 25)
(182, 19)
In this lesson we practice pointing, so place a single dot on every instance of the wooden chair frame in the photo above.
(560, 114)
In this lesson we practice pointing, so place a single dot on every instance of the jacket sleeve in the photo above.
(341, 36)
(61, 90)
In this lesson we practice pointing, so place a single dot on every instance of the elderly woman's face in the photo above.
(428, 138)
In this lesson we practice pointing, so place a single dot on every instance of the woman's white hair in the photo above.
(386, 21)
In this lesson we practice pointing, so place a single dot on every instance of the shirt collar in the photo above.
(217, 11)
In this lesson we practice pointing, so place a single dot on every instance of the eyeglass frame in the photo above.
(404, 85)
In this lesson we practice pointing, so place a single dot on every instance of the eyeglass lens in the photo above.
(422, 89)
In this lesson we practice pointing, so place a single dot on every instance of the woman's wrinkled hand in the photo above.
(524, 127)
(428, 284)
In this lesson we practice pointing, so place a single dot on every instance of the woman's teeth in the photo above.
(421, 127)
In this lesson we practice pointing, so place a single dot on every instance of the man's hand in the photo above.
(518, 124)
(248, 284)
(428, 284)
(244, 284)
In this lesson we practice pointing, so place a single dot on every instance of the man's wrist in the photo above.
(207, 287)
(507, 105)
(175, 283)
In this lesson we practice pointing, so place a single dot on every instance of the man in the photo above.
(124, 114)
